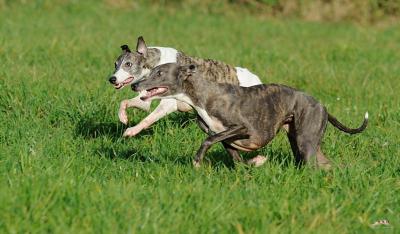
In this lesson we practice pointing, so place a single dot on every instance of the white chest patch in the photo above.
(167, 55)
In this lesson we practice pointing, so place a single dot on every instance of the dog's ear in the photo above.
(187, 71)
(125, 48)
(141, 46)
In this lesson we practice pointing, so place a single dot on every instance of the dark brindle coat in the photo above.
(246, 118)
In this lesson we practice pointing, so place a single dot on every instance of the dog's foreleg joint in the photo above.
(134, 102)
(165, 107)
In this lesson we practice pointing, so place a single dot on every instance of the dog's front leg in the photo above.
(235, 132)
(165, 107)
(134, 102)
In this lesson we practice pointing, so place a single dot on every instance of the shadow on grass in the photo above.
(91, 128)
(217, 159)
(183, 119)
(111, 153)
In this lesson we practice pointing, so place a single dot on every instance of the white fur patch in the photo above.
(167, 55)
(246, 78)
(121, 75)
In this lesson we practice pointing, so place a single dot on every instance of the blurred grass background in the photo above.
(359, 11)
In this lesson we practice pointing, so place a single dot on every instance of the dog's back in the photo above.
(212, 70)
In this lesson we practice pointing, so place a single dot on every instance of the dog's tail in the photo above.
(343, 128)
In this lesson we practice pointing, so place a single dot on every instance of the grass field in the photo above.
(66, 169)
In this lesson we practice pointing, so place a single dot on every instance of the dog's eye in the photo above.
(116, 65)
(128, 64)
(159, 73)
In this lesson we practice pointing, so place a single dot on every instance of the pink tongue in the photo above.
(129, 80)
(155, 91)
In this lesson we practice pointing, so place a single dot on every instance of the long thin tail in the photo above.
(343, 128)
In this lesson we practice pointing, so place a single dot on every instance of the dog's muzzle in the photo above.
(113, 79)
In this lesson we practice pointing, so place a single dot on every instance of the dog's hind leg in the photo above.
(322, 161)
(257, 161)
(305, 134)
(232, 152)
(134, 102)
(165, 107)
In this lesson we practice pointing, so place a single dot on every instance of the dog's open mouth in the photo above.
(125, 82)
(154, 92)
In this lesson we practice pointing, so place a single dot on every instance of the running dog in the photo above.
(246, 118)
(132, 67)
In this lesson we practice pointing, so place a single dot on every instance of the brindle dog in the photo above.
(247, 118)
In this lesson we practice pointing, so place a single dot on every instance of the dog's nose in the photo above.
(134, 87)
(113, 79)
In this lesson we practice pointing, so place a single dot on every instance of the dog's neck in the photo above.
(212, 70)
(197, 92)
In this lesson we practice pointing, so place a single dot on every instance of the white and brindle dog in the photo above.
(132, 67)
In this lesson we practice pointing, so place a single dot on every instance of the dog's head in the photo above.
(130, 66)
(165, 81)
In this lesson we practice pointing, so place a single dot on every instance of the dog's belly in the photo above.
(245, 145)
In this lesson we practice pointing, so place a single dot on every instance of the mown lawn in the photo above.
(66, 169)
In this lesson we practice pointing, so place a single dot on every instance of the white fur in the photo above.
(168, 55)
(246, 78)
(121, 75)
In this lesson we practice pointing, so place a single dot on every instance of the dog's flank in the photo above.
(134, 66)
(246, 118)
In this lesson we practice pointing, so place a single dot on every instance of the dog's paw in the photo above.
(196, 164)
(257, 161)
(133, 131)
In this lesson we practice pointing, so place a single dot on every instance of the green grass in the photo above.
(66, 169)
